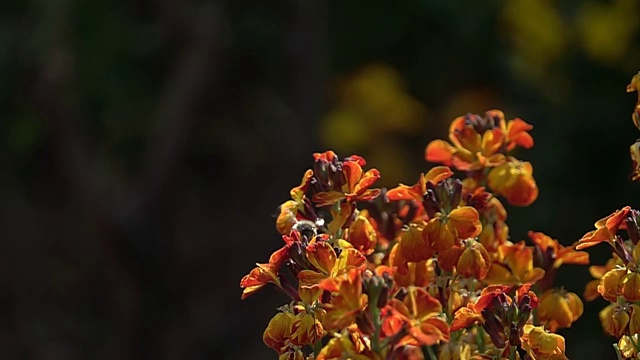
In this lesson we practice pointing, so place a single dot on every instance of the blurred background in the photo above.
(146, 145)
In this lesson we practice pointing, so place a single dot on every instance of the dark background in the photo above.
(146, 145)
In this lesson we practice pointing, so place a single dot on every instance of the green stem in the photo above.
(317, 347)
(427, 351)
(377, 324)
(512, 353)
(618, 353)
(480, 339)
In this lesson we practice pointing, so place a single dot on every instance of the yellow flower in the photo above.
(278, 332)
(610, 284)
(559, 309)
(541, 345)
(631, 286)
(474, 260)
(614, 320)
(514, 180)
(306, 329)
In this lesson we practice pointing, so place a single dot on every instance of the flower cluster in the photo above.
(618, 281)
(422, 271)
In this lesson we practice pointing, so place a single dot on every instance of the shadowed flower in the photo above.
(559, 309)
(515, 266)
(474, 260)
(614, 319)
(263, 274)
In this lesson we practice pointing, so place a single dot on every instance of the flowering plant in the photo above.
(428, 270)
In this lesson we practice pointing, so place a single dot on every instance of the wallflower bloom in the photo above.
(362, 236)
(559, 309)
(446, 230)
(610, 285)
(347, 344)
(417, 191)
(263, 274)
(558, 253)
(289, 210)
(614, 319)
(606, 229)
(356, 184)
(408, 273)
(323, 257)
(474, 260)
(347, 302)
(514, 180)
(414, 246)
(421, 312)
(479, 142)
(515, 266)
(591, 289)
(541, 345)
(278, 333)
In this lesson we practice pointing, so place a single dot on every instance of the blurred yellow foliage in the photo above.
(607, 30)
(373, 110)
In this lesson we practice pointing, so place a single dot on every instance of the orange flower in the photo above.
(446, 230)
(417, 191)
(362, 236)
(515, 266)
(559, 309)
(472, 313)
(356, 186)
(479, 142)
(289, 216)
(263, 274)
(421, 313)
(346, 303)
(414, 246)
(408, 273)
(278, 333)
(474, 260)
(329, 267)
(541, 345)
(606, 229)
(559, 254)
(514, 180)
